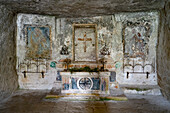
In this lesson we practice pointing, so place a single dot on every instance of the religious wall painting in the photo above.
(136, 37)
(38, 42)
(84, 43)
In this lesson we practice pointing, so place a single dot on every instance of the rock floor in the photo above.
(33, 102)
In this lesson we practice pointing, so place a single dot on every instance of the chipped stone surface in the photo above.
(8, 74)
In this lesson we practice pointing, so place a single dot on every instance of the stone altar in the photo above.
(85, 82)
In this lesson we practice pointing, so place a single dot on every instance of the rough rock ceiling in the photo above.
(79, 8)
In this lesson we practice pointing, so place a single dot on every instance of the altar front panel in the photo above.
(84, 82)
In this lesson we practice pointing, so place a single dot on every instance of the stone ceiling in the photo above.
(81, 8)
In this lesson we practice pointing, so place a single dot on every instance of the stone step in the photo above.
(82, 98)
(116, 94)
(141, 89)
(86, 97)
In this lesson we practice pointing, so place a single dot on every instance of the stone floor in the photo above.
(33, 102)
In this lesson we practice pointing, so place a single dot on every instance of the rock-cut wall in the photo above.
(8, 75)
(163, 51)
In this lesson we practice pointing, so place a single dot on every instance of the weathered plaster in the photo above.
(151, 57)
(109, 35)
(110, 32)
(34, 80)
(29, 19)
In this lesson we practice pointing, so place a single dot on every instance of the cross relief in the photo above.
(85, 39)
(85, 83)
(84, 43)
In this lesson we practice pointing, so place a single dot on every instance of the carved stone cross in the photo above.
(85, 39)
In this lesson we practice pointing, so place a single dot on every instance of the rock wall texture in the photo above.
(163, 51)
(8, 75)
(81, 8)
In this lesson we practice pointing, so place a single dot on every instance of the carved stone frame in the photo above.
(73, 43)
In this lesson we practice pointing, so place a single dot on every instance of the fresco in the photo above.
(38, 42)
(136, 38)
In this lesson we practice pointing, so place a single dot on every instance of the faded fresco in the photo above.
(136, 38)
(38, 42)
(139, 35)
